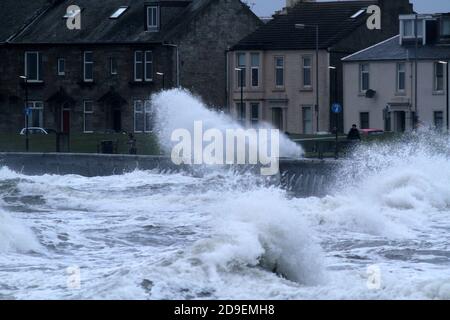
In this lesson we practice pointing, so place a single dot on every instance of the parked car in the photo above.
(36, 130)
(371, 132)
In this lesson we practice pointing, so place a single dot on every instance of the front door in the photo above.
(65, 121)
(400, 121)
(117, 120)
(277, 118)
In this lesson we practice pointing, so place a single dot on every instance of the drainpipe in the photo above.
(448, 102)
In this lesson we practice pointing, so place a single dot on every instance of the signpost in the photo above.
(336, 108)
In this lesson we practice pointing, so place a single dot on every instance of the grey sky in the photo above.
(268, 7)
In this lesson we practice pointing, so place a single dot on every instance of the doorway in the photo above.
(277, 118)
(399, 121)
(117, 120)
(65, 121)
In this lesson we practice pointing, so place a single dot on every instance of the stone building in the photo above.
(280, 82)
(99, 78)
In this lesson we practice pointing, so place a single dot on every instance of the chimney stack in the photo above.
(292, 3)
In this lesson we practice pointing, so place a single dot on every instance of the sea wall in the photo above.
(303, 177)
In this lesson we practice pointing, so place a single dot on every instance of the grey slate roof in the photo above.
(334, 24)
(97, 27)
(392, 50)
(15, 14)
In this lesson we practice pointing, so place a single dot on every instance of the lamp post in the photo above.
(336, 115)
(27, 141)
(447, 95)
(161, 74)
(241, 70)
(302, 26)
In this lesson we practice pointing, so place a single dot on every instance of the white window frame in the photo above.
(113, 71)
(257, 68)
(361, 77)
(32, 105)
(147, 111)
(61, 73)
(420, 28)
(399, 72)
(304, 67)
(139, 114)
(38, 72)
(311, 121)
(155, 26)
(435, 81)
(255, 121)
(138, 65)
(279, 68)
(89, 112)
(242, 72)
(147, 62)
(241, 113)
(85, 63)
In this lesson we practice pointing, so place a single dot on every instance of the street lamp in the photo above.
(302, 26)
(27, 143)
(161, 74)
(336, 119)
(447, 89)
(241, 71)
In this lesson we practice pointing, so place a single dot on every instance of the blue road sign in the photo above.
(27, 111)
(336, 108)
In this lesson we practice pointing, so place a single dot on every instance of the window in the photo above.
(438, 76)
(119, 12)
(241, 74)
(254, 114)
(143, 66)
(138, 66)
(364, 120)
(113, 65)
(36, 114)
(307, 64)
(241, 113)
(255, 61)
(148, 116)
(138, 116)
(364, 80)
(439, 120)
(61, 67)
(143, 116)
(401, 77)
(88, 109)
(307, 120)
(148, 66)
(409, 30)
(358, 13)
(153, 18)
(279, 71)
(445, 27)
(88, 67)
(33, 66)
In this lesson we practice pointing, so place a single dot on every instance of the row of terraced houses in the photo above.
(287, 70)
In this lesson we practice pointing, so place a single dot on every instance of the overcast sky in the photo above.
(268, 7)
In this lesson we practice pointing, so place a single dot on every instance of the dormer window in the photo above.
(153, 15)
(445, 27)
(408, 30)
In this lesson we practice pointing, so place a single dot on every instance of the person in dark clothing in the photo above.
(132, 143)
(354, 133)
